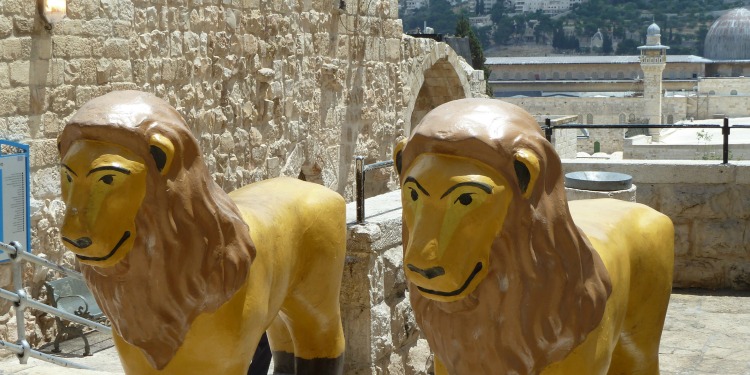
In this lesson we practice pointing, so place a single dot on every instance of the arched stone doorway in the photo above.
(442, 81)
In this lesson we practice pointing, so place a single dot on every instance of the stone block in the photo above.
(682, 237)
(6, 26)
(19, 73)
(719, 239)
(380, 321)
(361, 275)
(16, 128)
(699, 272)
(361, 237)
(738, 274)
(116, 48)
(20, 7)
(4, 76)
(71, 46)
(357, 330)
(14, 101)
(15, 49)
(706, 201)
(394, 282)
(23, 25)
(80, 72)
(403, 324)
(45, 182)
(43, 153)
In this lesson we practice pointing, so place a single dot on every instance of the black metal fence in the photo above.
(725, 130)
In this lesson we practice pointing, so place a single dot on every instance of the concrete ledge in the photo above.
(667, 171)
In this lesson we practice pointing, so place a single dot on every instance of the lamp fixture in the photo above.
(52, 11)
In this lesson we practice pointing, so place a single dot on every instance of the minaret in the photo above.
(653, 61)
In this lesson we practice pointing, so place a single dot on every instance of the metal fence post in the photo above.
(548, 129)
(360, 187)
(725, 133)
(20, 306)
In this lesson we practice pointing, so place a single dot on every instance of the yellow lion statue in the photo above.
(506, 277)
(189, 276)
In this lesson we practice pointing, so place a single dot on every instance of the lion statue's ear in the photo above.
(527, 171)
(162, 150)
(397, 155)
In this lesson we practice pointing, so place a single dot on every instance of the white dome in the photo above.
(653, 30)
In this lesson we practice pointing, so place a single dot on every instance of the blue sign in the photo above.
(15, 197)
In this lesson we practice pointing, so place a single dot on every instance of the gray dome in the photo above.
(653, 30)
(729, 37)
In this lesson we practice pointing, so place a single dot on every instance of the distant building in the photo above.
(651, 88)
(481, 21)
(550, 7)
(416, 4)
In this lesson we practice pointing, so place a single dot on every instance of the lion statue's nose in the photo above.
(80, 243)
(429, 273)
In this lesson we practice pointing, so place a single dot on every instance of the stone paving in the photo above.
(705, 333)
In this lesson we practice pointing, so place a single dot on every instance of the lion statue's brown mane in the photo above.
(546, 288)
(192, 251)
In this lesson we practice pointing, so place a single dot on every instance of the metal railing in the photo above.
(21, 301)
(361, 171)
(725, 130)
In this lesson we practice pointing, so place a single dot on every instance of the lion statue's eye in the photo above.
(414, 195)
(464, 199)
(107, 179)
(67, 176)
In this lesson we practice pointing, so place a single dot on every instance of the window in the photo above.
(589, 119)
(622, 118)
(733, 92)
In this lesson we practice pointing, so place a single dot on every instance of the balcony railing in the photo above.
(725, 130)
(22, 301)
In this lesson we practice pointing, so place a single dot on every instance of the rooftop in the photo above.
(634, 59)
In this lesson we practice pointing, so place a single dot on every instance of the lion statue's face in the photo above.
(453, 209)
(103, 186)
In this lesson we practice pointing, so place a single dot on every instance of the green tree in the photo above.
(627, 47)
(440, 16)
(498, 12)
(463, 29)
(503, 30)
(700, 41)
(606, 44)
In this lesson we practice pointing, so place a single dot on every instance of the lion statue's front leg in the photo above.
(505, 276)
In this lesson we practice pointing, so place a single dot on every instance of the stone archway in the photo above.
(444, 77)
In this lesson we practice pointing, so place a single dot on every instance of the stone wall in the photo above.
(639, 147)
(270, 88)
(382, 335)
(709, 204)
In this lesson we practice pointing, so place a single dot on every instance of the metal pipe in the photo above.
(44, 263)
(360, 187)
(21, 350)
(19, 306)
(378, 165)
(725, 133)
(23, 300)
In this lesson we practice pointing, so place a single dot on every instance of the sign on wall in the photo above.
(14, 195)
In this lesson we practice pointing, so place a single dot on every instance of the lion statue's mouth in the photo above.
(458, 291)
(124, 238)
